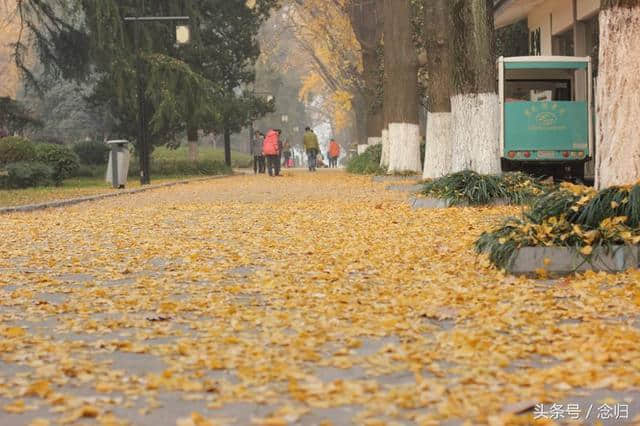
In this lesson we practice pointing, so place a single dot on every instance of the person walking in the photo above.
(279, 132)
(256, 151)
(286, 153)
(270, 150)
(334, 153)
(311, 146)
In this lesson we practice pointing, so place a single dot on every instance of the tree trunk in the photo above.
(474, 104)
(437, 154)
(361, 118)
(401, 98)
(366, 19)
(192, 138)
(371, 75)
(227, 147)
(618, 107)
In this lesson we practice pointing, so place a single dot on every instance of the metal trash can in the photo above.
(118, 168)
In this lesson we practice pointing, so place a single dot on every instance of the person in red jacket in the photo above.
(271, 150)
(334, 153)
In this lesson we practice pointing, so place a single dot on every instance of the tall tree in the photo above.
(401, 98)
(618, 108)
(474, 104)
(184, 88)
(366, 18)
(437, 24)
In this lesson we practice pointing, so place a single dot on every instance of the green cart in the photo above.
(546, 114)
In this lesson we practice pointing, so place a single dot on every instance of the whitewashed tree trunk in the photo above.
(618, 98)
(404, 148)
(437, 153)
(384, 159)
(476, 131)
(474, 105)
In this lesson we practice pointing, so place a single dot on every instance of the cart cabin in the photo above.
(546, 109)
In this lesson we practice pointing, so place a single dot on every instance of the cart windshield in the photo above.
(537, 90)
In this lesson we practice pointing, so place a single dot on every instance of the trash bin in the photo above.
(118, 168)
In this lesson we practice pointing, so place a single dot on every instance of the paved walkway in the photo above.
(306, 299)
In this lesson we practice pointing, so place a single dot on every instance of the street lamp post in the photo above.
(183, 36)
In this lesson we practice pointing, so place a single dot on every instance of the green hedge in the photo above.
(25, 175)
(93, 153)
(14, 149)
(367, 163)
(60, 158)
(181, 168)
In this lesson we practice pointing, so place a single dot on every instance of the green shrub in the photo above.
(14, 149)
(86, 170)
(469, 187)
(93, 153)
(367, 163)
(25, 175)
(181, 168)
(205, 153)
(572, 216)
(60, 158)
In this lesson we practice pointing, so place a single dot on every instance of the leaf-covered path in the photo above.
(299, 300)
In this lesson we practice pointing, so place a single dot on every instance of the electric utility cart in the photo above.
(546, 114)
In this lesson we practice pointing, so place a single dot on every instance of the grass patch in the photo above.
(367, 163)
(71, 188)
(470, 188)
(572, 216)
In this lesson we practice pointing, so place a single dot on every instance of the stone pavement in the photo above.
(307, 299)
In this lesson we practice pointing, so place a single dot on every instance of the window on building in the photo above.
(535, 46)
(562, 44)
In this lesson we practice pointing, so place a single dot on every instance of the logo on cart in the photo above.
(546, 116)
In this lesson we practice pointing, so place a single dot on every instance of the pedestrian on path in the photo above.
(311, 146)
(334, 153)
(270, 150)
(256, 151)
(286, 153)
(279, 167)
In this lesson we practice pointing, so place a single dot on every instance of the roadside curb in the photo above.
(73, 201)
(405, 188)
(441, 203)
(565, 260)
(392, 178)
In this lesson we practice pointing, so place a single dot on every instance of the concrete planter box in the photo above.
(405, 188)
(391, 178)
(440, 203)
(566, 260)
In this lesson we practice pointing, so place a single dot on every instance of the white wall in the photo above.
(586, 8)
(562, 15)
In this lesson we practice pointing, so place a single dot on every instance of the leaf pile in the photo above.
(310, 299)
(572, 216)
(470, 188)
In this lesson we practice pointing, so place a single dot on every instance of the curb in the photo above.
(565, 260)
(440, 203)
(73, 201)
(392, 178)
(405, 188)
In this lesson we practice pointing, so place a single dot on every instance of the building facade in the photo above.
(556, 27)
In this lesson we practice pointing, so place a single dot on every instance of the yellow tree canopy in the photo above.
(328, 55)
